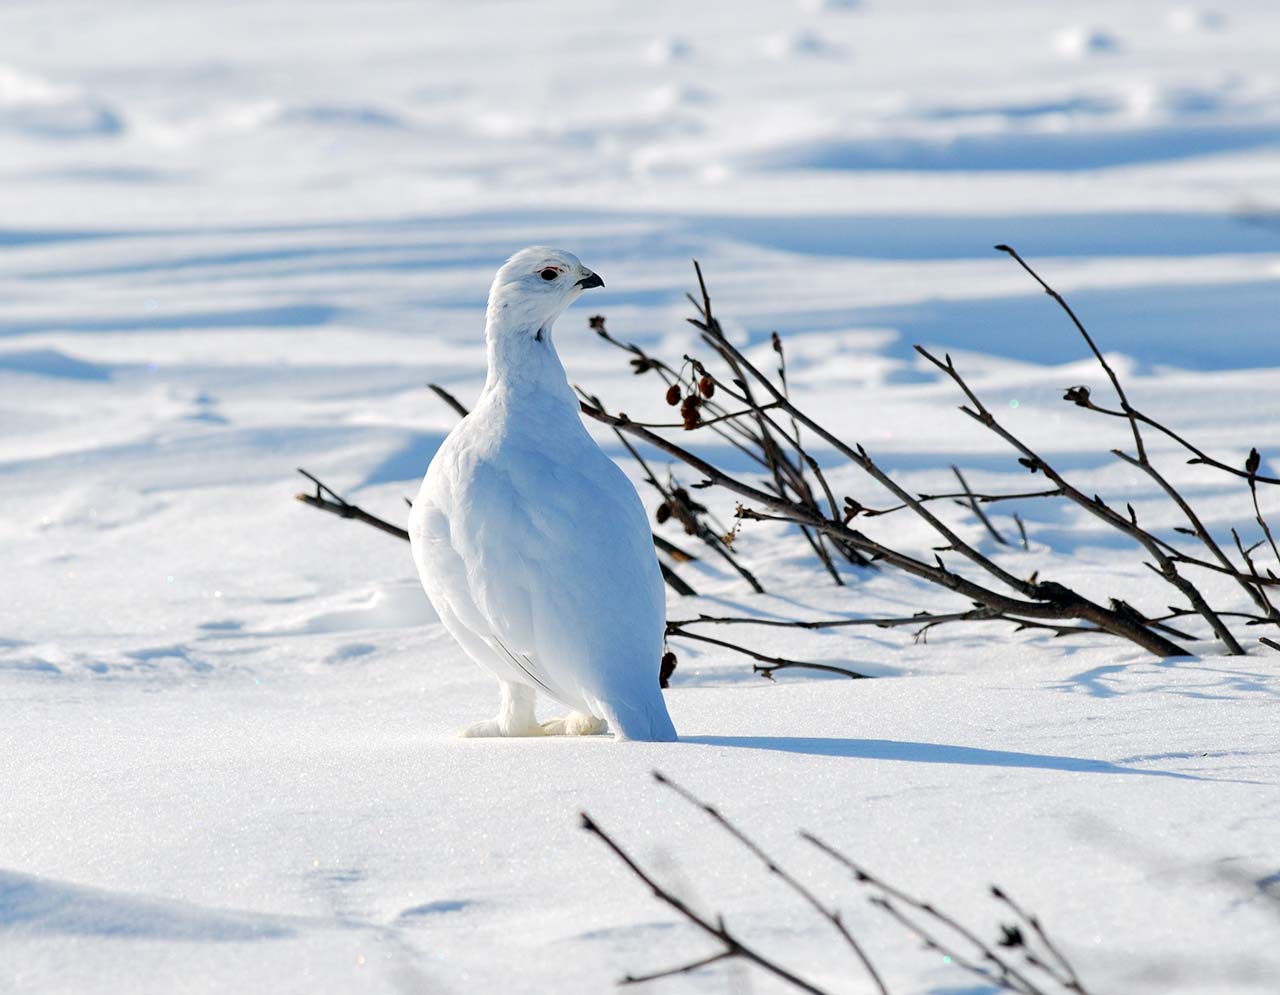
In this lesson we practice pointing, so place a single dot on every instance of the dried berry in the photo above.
(706, 386)
(667, 669)
(673, 394)
(663, 512)
(690, 413)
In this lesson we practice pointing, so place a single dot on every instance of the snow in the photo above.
(240, 238)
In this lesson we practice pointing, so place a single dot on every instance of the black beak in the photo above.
(591, 280)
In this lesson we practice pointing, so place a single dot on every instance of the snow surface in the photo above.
(240, 238)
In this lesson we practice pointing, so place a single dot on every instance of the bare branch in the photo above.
(335, 504)
(1001, 972)
(733, 947)
(830, 914)
(1095, 506)
(1115, 381)
(449, 399)
(636, 979)
(772, 663)
(972, 502)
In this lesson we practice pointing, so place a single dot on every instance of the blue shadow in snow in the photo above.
(907, 236)
(52, 363)
(1206, 327)
(409, 462)
(1032, 150)
(283, 316)
(926, 753)
(40, 905)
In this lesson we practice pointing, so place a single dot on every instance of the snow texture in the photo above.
(240, 238)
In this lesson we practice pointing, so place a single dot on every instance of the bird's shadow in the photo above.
(929, 753)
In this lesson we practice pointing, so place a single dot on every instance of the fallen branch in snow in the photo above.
(1033, 963)
(1040, 600)
(1095, 505)
(1165, 555)
(763, 422)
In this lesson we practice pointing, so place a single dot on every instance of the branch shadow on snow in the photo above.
(927, 753)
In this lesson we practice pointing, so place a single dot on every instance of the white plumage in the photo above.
(531, 543)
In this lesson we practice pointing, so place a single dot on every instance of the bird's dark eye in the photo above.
(550, 274)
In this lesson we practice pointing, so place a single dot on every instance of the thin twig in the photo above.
(693, 524)
(637, 979)
(772, 663)
(1053, 600)
(972, 502)
(733, 947)
(1115, 381)
(1095, 505)
(1010, 977)
(831, 915)
(336, 504)
(449, 399)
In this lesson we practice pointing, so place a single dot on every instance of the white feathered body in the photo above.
(536, 552)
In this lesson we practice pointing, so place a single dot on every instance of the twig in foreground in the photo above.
(985, 962)
(830, 914)
(733, 947)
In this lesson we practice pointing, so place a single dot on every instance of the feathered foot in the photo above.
(575, 724)
(514, 718)
(496, 727)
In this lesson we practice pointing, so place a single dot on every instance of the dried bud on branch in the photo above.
(1011, 936)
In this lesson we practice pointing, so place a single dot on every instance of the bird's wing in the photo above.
(446, 577)
(559, 564)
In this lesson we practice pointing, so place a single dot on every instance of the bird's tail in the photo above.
(648, 720)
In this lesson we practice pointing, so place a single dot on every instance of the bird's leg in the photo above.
(514, 718)
(575, 724)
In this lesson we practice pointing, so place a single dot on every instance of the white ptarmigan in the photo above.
(531, 543)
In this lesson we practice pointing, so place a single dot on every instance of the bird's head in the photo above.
(534, 287)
